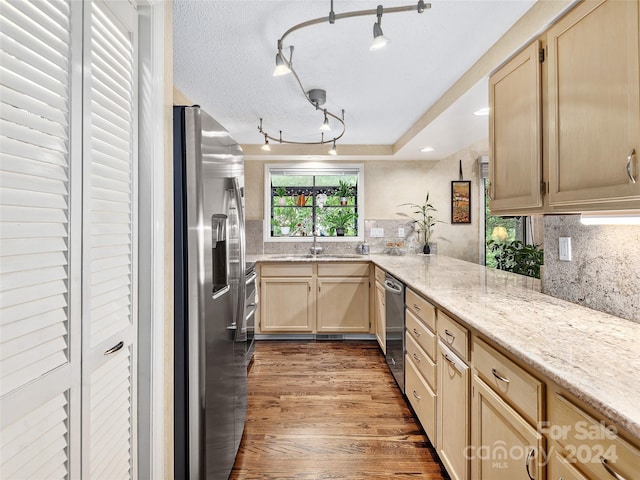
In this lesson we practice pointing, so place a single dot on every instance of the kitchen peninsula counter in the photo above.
(593, 355)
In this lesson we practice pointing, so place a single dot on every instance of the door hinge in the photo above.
(544, 187)
(541, 55)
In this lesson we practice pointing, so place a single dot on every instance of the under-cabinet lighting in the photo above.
(482, 112)
(427, 149)
(619, 219)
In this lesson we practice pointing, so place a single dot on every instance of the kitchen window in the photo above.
(301, 200)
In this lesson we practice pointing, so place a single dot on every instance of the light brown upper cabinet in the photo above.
(594, 107)
(570, 126)
(515, 133)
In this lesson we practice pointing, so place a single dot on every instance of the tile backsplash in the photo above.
(604, 273)
(255, 244)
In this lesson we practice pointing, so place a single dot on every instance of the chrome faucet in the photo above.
(315, 249)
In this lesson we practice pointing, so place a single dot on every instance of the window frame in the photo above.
(319, 168)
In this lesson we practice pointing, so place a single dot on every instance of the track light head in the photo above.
(282, 67)
(379, 40)
(325, 125)
(333, 150)
(266, 147)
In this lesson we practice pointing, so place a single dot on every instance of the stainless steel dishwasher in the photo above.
(394, 301)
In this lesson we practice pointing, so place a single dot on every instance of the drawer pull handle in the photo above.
(446, 357)
(416, 358)
(610, 470)
(416, 307)
(629, 160)
(530, 455)
(115, 348)
(417, 333)
(416, 395)
(498, 376)
(449, 334)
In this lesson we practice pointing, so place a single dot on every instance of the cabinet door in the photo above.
(453, 414)
(343, 305)
(594, 109)
(505, 446)
(286, 305)
(380, 316)
(515, 163)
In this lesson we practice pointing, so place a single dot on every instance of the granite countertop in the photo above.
(592, 354)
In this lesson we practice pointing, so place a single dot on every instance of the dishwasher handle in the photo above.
(392, 287)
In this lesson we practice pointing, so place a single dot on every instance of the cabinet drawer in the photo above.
(453, 335)
(421, 360)
(560, 469)
(593, 446)
(343, 269)
(422, 399)
(286, 269)
(521, 390)
(421, 334)
(421, 308)
(380, 274)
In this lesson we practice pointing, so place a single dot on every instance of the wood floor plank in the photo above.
(329, 410)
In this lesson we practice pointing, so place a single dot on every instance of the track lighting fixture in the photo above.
(333, 150)
(325, 125)
(266, 146)
(379, 40)
(317, 97)
(283, 67)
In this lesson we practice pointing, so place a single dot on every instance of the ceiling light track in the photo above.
(317, 97)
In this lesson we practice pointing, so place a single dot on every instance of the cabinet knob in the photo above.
(630, 165)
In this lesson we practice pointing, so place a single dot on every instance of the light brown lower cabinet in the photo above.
(504, 445)
(287, 305)
(343, 305)
(453, 413)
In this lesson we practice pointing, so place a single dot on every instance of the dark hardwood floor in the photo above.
(329, 410)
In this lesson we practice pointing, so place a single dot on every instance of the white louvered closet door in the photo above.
(109, 238)
(39, 314)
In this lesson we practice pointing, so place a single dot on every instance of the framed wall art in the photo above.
(461, 201)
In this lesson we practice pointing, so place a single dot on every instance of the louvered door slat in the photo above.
(21, 149)
(44, 185)
(19, 116)
(12, 347)
(30, 262)
(39, 367)
(17, 296)
(25, 166)
(12, 246)
(34, 74)
(31, 309)
(119, 122)
(27, 326)
(20, 100)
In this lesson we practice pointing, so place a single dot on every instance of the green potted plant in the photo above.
(281, 192)
(339, 220)
(425, 221)
(517, 257)
(344, 191)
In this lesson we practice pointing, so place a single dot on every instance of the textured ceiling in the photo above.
(224, 58)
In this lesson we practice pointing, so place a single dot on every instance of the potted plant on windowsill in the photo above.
(281, 192)
(517, 257)
(339, 220)
(344, 191)
(425, 221)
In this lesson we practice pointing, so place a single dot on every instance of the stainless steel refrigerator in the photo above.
(210, 337)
